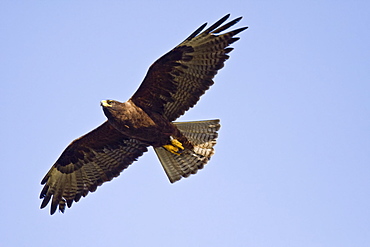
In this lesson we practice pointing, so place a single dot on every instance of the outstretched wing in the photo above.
(86, 163)
(175, 82)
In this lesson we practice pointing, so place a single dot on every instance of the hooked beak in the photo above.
(105, 103)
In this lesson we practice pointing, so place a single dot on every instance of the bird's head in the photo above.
(108, 103)
(115, 111)
(110, 106)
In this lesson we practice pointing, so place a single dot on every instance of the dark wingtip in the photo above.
(45, 201)
(240, 30)
(53, 208)
(45, 179)
(217, 24)
(196, 32)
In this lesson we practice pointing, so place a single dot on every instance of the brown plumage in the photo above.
(173, 84)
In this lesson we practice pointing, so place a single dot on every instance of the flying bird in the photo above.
(172, 85)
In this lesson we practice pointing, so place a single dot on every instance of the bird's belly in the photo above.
(150, 135)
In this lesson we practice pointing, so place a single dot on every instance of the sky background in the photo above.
(292, 163)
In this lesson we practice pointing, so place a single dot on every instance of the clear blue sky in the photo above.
(292, 163)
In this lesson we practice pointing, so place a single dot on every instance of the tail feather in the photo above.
(202, 135)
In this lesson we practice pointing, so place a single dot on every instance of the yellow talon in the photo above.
(175, 147)
(172, 149)
(177, 144)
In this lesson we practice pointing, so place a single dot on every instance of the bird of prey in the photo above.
(172, 85)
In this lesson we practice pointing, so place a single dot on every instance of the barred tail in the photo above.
(202, 135)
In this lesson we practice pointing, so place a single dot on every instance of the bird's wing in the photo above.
(86, 163)
(175, 82)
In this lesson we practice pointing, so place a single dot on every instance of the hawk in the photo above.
(172, 85)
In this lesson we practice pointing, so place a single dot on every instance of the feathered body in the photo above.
(150, 128)
(173, 84)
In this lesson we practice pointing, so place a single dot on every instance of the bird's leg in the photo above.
(175, 147)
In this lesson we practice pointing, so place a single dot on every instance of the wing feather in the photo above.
(86, 163)
(175, 82)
